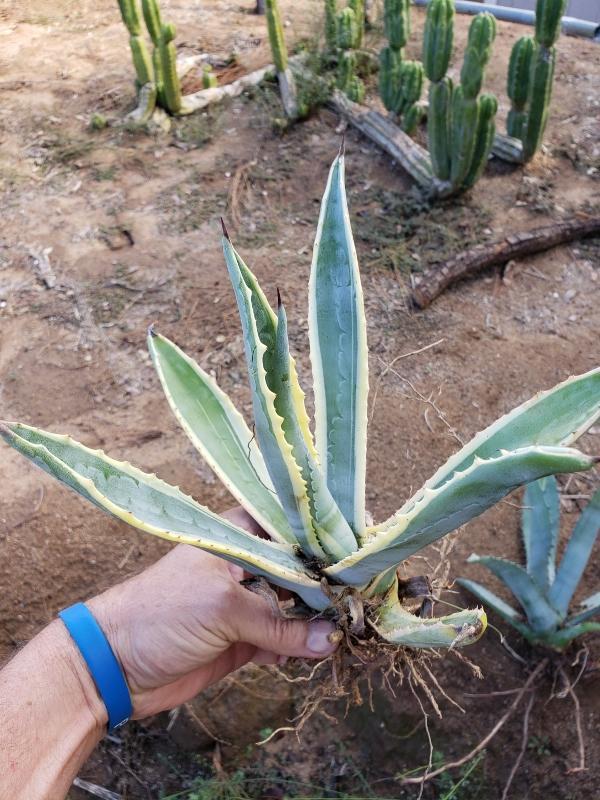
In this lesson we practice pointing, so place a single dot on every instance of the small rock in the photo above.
(570, 294)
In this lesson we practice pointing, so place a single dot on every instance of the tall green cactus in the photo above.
(518, 84)
(358, 6)
(330, 25)
(530, 78)
(139, 52)
(347, 36)
(461, 122)
(285, 78)
(160, 70)
(400, 82)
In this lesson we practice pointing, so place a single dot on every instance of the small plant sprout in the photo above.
(543, 591)
(308, 493)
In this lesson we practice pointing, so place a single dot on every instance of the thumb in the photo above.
(257, 624)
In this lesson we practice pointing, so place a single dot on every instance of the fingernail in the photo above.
(318, 640)
(282, 660)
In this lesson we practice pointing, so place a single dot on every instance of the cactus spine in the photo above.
(530, 77)
(287, 84)
(400, 82)
(461, 125)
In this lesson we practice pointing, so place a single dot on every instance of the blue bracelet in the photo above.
(101, 662)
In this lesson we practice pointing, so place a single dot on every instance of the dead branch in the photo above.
(431, 283)
(385, 134)
(486, 739)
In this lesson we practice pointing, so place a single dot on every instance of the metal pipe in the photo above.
(570, 25)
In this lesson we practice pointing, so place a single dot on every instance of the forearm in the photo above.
(52, 717)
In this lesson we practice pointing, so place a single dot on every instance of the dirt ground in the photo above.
(104, 232)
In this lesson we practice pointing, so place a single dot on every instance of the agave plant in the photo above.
(309, 494)
(543, 592)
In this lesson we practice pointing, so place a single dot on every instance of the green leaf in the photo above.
(540, 529)
(564, 636)
(590, 606)
(554, 417)
(259, 325)
(541, 616)
(219, 433)
(154, 506)
(398, 626)
(576, 555)
(338, 349)
(332, 530)
(439, 511)
(504, 610)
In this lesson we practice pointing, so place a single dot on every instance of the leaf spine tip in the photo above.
(225, 232)
(342, 150)
(279, 301)
(151, 331)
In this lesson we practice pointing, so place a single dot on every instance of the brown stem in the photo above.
(431, 283)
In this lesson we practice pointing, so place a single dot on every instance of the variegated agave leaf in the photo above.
(441, 510)
(338, 351)
(397, 625)
(281, 422)
(219, 432)
(555, 417)
(154, 506)
(544, 599)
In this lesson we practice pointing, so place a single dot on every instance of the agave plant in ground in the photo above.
(309, 495)
(544, 592)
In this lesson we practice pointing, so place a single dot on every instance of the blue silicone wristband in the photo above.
(101, 661)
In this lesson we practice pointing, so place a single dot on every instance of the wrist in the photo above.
(77, 678)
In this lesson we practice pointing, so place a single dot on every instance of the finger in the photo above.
(255, 622)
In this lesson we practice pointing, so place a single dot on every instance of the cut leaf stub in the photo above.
(309, 495)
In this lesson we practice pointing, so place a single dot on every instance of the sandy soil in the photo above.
(128, 223)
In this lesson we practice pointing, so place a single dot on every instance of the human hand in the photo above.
(186, 622)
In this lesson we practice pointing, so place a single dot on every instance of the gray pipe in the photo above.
(570, 25)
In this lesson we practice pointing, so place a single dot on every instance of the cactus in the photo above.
(390, 61)
(139, 52)
(168, 61)
(346, 29)
(530, 77)
(346, 38)
(396, 22)
(331, 25)
(438, 37)
(548, 14)
(209, 79)
(518, 84)
(160, 69)
(287, 84)
(358, 7)
(461, 123)
(400, 83)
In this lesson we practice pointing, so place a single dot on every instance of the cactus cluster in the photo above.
(461, 122)
(530, 76)
(349, 32)
(285, 78)
(156, 77)
(400, 82)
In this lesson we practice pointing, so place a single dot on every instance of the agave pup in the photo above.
(308, 493)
